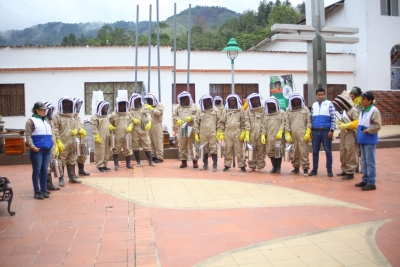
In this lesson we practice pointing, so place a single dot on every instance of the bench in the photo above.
(6, 193)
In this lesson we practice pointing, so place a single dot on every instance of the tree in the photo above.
(283, 14)
(91, 41)
(72, 39)
(82, 39)
(301, 8)
(65, 41)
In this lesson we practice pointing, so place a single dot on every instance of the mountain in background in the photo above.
(52, 33)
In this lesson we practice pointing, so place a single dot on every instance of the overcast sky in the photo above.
(21, 14)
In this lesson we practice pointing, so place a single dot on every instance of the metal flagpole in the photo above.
(174, 88)
(158, 53)
(136, 48)
(149, 64)
(188, 67)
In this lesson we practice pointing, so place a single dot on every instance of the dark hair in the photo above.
(278, 82)
(368, 95)
(320, 90)
(356, 91)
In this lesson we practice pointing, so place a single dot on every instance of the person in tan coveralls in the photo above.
(185, 111)
(297, 121)
(101, 130)
(141, 127)
(219, 104)
(156, 131)
(81, 134)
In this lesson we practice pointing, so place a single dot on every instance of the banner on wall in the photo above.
(281, 87)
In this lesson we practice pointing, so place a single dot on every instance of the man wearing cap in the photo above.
(323, 125)
(369, 123)
(348, 132)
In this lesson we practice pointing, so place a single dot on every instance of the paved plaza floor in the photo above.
(165, 216)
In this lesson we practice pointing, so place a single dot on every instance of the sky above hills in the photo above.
(21, 14)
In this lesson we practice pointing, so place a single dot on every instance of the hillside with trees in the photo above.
(211, 29)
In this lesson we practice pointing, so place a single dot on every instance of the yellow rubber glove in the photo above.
(307, 136)
(247, 136)
(179, 122)
(129, 129)
(60, 145)
(242, 136)
(279, 135)
(288, 137)
(353, 125)
(57, 152)
(263, 140)
(148, 126)
(136, 121)
(74, 132)
(149, 107)
(220, 136)
(188, 119)
(97, 138)
(112, 128)
(82, 132)
(196, 137)
(343, 126)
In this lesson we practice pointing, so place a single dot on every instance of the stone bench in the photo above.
(6, 193)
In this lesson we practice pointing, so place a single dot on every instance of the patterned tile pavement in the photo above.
(166, 216)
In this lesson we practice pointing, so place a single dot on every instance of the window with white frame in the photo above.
(390, 7)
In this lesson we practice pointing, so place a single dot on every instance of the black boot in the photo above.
(184, 164)
(71, 174)
(148, 155)
(61, 178)
(137, 156)
(81, 170)
(195, 165)
(128, 162)
(50, 185)
(215, 160)
(115, 158)
(278, 164)
(205, 163)
(273, 162)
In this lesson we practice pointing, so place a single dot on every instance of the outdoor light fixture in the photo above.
(232, 50)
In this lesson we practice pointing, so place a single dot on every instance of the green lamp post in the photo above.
(232, 51)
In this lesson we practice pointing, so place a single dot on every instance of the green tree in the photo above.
(283, 14)
(82, 39)
(91, 41)
(301, 8)
(72, 39)
(65, 41)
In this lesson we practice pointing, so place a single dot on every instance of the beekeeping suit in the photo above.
(232, 124)
(65, 132)
(81, 135)
(219, 104)
(297, 120)
(348, 134)
(156, 131)
(122, 124)
(205, 129)
(142, 124)
(254, 118)
(273, 128)
(101, 130)
(185, 111)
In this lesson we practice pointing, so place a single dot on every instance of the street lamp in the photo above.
(232, 50)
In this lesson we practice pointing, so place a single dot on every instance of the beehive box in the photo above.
(14, 146)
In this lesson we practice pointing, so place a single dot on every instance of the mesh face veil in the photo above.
(50, 110)
(102, 108)
(77, 105)
(254, 103)
(182, 96)
(205, 105)
(65, 105)
(136, 101)
(151, 99)
(299, 103)
(238, 102)
(124, 105)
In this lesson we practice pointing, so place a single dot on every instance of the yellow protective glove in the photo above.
(149, 107)
(220, 136)
(351, 125)
(97, 138)
(196, 137)
(179, 122)
(242, 136)
(57, 152)
(263, 140)
(247, 136)
(60, 145)
(129, 129)
(307, 136)
(343, 126)
(288, 137)
(82, 132)
(148, 126)
(74, 132)
(279, 135)
(112, 128)
(188, 119)
(136, 121)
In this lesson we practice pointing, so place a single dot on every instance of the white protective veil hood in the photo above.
(60, 106)
(218, 98)
(122, 100)
(153, 97)
(203, 98)
(238, 102)
(254, 95)
(184, 94)
(294, 96)
(132, 100)
(49, 110)
(272, 100)
(100, 106)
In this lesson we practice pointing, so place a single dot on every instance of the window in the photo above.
(395, 67)
(242, 90)
(180, 87)
(12, 100)
(390, 7)
(110, 92)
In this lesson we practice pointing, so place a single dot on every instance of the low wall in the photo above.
(388, 103)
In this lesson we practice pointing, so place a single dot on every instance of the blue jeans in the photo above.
(318, 138)
(40, 163)
(368, 165)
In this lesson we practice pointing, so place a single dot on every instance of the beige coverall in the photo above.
(206, 125)
(63, 125)
(254, 118)
(231, 123)
(348, 145)
(273, 122)
(156, 132)
(79, 124)
(101, 126)
(185, 143)
(121, 121)
(296, 123)
(139, 134)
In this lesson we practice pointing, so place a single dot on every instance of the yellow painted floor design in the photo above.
(345, 246)
(207, 194)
